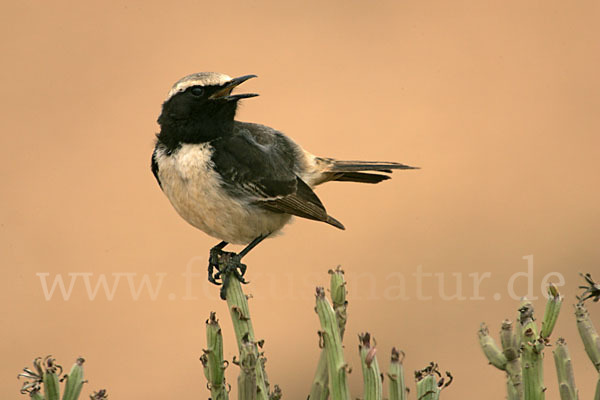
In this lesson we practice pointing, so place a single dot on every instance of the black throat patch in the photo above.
(187, 119)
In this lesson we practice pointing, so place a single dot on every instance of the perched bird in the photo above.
(240, 182)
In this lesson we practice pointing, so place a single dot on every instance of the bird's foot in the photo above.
(213, 264)
(226, 264)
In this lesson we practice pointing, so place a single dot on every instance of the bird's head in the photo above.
(210, 86)
(204, 93)
(201, 103)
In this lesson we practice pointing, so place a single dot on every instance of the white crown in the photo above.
(198, 79)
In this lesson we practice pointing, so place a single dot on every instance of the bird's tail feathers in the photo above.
(355, 166)
(361, 177)
(332, 221)
(353, 171)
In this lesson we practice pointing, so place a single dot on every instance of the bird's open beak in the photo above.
(225, 92)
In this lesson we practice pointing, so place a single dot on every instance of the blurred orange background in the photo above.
(497, 102)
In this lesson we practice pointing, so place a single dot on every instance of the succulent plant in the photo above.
(521, 356)
(46, 377)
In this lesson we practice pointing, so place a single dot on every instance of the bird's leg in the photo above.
(213, 262)
(228, 263)
(252, 245)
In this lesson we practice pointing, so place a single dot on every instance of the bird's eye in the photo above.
(197, 91)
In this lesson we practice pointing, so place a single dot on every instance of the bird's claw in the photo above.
(225, 263)
(213, 264)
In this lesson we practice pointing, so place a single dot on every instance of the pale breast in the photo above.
(194, 189)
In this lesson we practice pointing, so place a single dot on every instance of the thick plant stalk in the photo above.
(490, 349)
(427, 388)
(564, 371)
(427, 384)
(589, 334)
(46, 373)
(247, 379)
(74, 381)
(319, 389)
(332, 342)
(373, 386)
(212, 360)
(506, 359)
(552, 311)
(590, 338)
(533, 344)
(511, 391)
(531, 357)
(50, 379)
(397, 386)
(237, 303)
(499, 359)
(510, 349)
(337, 286)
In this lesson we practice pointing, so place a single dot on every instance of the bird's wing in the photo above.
(265, 173)
(303, 203)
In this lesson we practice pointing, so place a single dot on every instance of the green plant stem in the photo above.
(427, 387)
(319, 389)
(490, 349)
(589, 334)
(564, 371)
(338, 292)
(46, 375)
(397, 386)
(332, 342)
(531, 357)
(590, 338)
(237, 303)
(510, 349)
(373, 389)
(533, 343)
(247, 379)
(212, 360)
(511, 391)
(50, 379)
(552, 311)
(74, 381)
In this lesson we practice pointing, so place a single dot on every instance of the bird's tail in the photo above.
(354, 171)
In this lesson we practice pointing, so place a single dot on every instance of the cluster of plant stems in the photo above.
(331, 376)
(43, 381)
(522, 344)
(520, 355)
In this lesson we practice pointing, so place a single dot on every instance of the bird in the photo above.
(240, 182)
